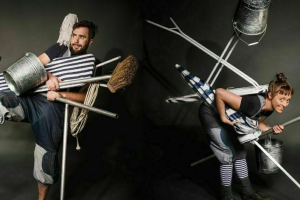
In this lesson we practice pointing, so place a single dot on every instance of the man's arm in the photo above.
(73, 96)
(53, 81)
(44, 59)
(53, 85)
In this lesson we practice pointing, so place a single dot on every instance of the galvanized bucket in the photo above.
(25, 74)
(251, 17)
(264, 164)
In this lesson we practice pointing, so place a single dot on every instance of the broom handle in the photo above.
(109, 61)
(263, 134)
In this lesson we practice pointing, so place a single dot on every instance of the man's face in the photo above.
(80, 41)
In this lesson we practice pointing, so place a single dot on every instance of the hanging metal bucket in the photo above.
(25, 74)
(251, 17)
(264, 164)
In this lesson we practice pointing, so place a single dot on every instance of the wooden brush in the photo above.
(123, 74)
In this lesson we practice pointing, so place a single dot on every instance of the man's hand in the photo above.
(278, 129)
(53, 82)
(51, 95)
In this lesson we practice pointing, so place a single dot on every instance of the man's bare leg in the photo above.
(43, 191)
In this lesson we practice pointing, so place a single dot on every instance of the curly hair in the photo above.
(280, 86)
(93, 28)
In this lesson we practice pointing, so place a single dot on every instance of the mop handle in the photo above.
(285, 124)
(254, 142)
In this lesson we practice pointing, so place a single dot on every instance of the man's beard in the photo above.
(83, 50)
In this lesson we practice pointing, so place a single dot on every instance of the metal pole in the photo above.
(79, 81)
(223, 53)
(254, 142)
(285, 124)
(80, 105)
(232, 48)
(238, 91)
(191, 40)
(109, 61)
(64, 153)
(228, 65)
(263, 134)
(203, 160)
(65, 136)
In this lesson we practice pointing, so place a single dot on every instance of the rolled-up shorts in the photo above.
(222, 138)
(46, 119)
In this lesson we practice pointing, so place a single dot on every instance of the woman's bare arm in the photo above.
(263, 127)
(225, 97)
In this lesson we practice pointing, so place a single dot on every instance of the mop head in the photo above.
(66, 29)
(123, 74)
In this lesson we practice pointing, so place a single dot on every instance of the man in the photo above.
(46, 117)
(81, 39)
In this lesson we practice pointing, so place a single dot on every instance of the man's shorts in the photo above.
(46, 119)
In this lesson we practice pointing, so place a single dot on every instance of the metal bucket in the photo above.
(251, 17)
(264, 164)
(25, 74)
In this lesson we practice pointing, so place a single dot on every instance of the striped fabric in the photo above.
(3, 85)
(199, 86)
(245, 127)
(71, 68)
(65, 68)
(241, 168)
(238, 91)
(204, 90)
(226, 174)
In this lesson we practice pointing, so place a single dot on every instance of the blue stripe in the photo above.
(62, 68)
(68, 65)
(78, 57)
(70, 71)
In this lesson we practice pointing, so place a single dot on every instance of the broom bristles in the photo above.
(123, 74)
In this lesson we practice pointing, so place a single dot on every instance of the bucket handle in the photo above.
(251, 44)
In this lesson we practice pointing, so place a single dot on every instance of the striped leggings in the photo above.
(226, 171)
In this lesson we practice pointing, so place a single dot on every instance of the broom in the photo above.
(123, 74)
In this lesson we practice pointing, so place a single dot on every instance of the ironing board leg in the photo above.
(64, 153)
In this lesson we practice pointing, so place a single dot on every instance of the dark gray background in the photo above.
(146, 153)
(91, 173)
(175, 128)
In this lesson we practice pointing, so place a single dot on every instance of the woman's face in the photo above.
(279, 101)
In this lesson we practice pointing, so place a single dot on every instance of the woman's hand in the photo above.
(278, 129)
(227, 121)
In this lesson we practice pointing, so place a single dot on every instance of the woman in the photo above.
(223, 140)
